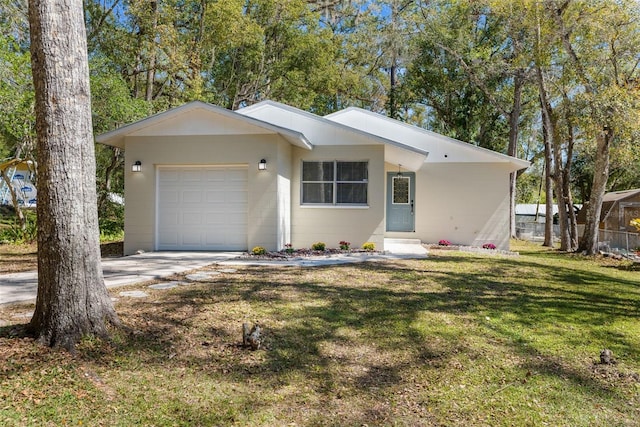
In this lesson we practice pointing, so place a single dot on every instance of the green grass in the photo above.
(456, 339)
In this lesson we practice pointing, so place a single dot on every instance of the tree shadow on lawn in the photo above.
(313, 335)
(365, 328)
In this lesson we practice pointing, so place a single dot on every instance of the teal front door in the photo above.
(401, 192)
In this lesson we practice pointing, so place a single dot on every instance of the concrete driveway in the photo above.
(17, 287)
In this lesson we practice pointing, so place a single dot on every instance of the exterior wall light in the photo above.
(137, 166)
(262, 165)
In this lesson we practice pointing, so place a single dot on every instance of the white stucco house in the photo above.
(200, 177)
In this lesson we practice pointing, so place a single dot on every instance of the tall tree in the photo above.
(72, 299)
(489, 45)
(600, 40)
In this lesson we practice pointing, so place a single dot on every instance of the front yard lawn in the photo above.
(456, 339)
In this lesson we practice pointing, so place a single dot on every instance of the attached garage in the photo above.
(202, 208)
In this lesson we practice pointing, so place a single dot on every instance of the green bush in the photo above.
(318, 246)
(15, 234)
(111, 222)
(369, 246)
(258, 250)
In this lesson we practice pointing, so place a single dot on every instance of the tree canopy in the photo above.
(501, 75)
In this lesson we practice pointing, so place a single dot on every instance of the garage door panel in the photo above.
(216, 218)
(214, 196)
(191, 218)
(191, 175)
(215, 175)
(202, 208)
(169, 176)
(169, 196)
(192, 196)
(168, 238)
(192, 238)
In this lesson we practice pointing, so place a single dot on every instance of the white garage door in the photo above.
(202, 208)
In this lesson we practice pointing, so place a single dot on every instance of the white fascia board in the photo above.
(116, 137)
(442, 148)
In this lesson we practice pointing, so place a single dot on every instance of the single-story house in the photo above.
(201, 177)
(618, 209)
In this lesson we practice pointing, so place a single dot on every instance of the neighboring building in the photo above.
(533, 212)
(618, 209)
(201, 177)
(20, 174)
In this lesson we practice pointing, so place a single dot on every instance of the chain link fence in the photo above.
(618, 242)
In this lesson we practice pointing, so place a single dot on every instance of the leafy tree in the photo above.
(72, 299)
(600, 41)
(488, 46)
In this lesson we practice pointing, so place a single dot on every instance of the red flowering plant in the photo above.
(344, 245)
(444, 242)
(488, 246)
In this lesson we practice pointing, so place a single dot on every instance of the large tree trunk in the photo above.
(589, 240)
(547, 137)
(72, 299)
(512, 148)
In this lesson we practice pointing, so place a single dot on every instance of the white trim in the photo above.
(340, 206)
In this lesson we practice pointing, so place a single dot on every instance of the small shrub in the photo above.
(16, 234)
(369, 246)
(488, 246)
(444, 242)
(288, 248)
(635, 223)
(344, 245)
(258, 250)
(318, 246)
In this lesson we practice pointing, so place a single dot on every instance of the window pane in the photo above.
(400, 190)
(352, 171)
(352, 193)
(317, 171)
(317, 193)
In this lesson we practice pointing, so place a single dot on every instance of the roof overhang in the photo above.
(442, 149)
(116, 137)
(395, 152)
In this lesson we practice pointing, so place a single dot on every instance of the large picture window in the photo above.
(335, 183)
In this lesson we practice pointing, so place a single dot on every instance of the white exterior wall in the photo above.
(266, 219)
(331, 224)
(465, 203)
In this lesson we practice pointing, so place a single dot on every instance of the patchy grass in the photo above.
(459, 338)
(18, 257)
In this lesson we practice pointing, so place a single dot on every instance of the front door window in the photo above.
(401, 190)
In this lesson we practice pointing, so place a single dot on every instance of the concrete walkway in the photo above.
(16, 287)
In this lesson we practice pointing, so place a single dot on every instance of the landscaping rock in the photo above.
(202, 277)
(134, 294)
(165, 285)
